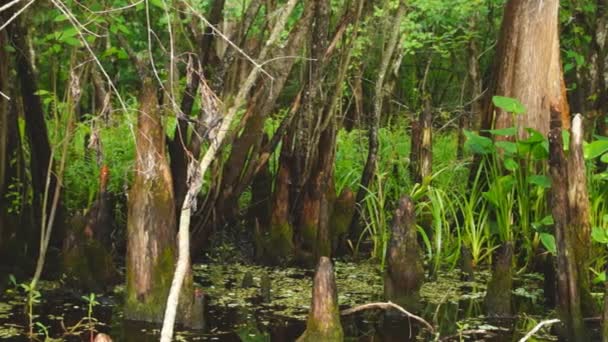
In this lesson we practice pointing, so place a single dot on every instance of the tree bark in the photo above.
(527, 67)
(498, 297)
(151, 244)
(570, 225)
(36, 130)
(404, 273)
(324, 318)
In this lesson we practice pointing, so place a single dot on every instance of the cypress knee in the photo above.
(498, 296)
(324, 318)
(404, 272)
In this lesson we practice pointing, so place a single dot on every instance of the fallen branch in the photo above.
(386, 306)
(538, 327)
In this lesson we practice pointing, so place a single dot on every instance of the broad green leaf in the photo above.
(534, 137)
(595, 149)
(540, 180)
(511, 164)
(507, 132)
(599, 235)
(478, 144)
(509, 104)
(600, 279)
(548, 241)
(157, 3)
(604, 158)
(507, 146)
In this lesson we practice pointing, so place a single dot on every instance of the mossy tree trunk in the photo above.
(404, 273)
(323, 322)
(151, 229)
(249, 153)
(304, 189)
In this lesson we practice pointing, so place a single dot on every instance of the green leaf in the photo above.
(604, 158)
(506, 132)
(595, 149)
(511, 164)
(508, 146)
(600, 279)
(548, 241)
(478, 144)
(540, 180)
(599, 235)
(157, 3)
(508, 104)
(534, 137)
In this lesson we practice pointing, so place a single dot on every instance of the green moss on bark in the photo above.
(150, 306)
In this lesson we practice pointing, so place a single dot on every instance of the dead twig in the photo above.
(538, 327)
(386, 306)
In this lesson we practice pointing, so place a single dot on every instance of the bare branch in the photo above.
(14, 16)
(7, 6)
(224, 37)
(385, 306)
(537, 328)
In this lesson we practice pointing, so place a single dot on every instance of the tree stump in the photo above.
(466, 264)
(341, 218)
(324, 318)
(265, 287)
(197, 319)
(498, 296)
(404, 271)
(570, 208)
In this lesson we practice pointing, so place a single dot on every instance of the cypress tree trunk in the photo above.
(37, 133)
(324, 318)
(527, 66)
(404, 273)
(569, 204)
(151, 240)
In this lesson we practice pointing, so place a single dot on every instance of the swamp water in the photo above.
(237, 313)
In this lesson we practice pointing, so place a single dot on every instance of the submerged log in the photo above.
(404, 271)
(498, 297)
(324, 318)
